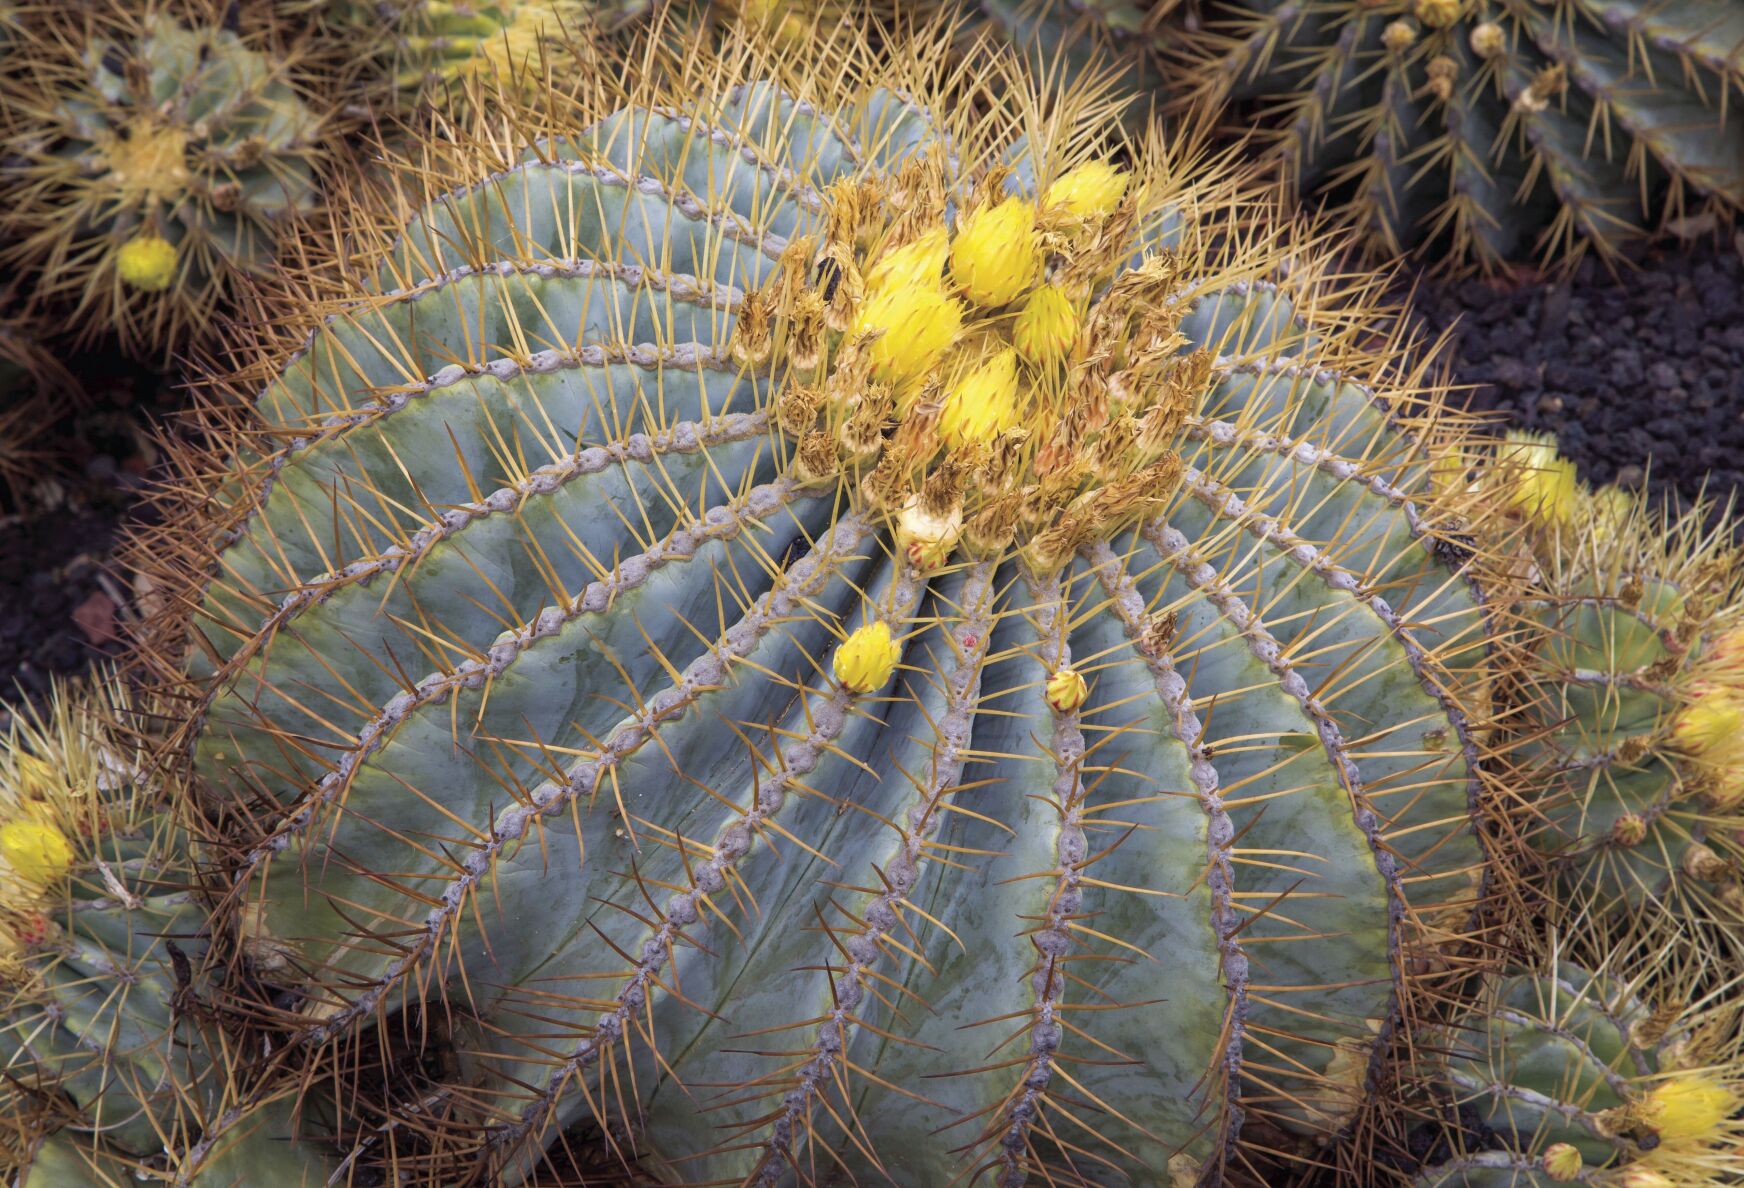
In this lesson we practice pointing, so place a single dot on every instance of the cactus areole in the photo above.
(646, 644)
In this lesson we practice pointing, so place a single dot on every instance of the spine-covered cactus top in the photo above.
(816, 623)
(151, 160)
(1499, 128)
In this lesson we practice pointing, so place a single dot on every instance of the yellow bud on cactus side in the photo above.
(866, 658)
(37, 852)
(917, 263)
(1438, 14)
(1399, 36)
(1047, 326)
(1562, 1162)
(1713, 723)
(1093, 190)
(915, 324)
(1543, 485)
(1643, 1177)
(995, 255)
(1067, 690)
(147, 262)
(983, 404)
(1688, 1107)
(1488, 40)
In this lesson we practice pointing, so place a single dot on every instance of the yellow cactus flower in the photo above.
(39, 853)
(1399, 36)
(1047, 326)
(1488, 40)
(1562, 1162)
(1438, 14)
(1093, 190)
(982, 404)
(1542, 485)
(1067, 690)
(147, 262)
(1643, 1177)
(915, 325)
(921, 262)
(1688, 1107)
(1712, 724)
(996, 255)
(866, 658)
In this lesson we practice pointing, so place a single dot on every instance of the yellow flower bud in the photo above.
(1067, 690)
(1488, 40)
(1713, 723)
(1047, 326)
(1562, 1162)
(1643, 1177)
(39, 853)
(921, 262)
(915, 324)
(995, 255)
(1093, 190)
(866, 658)
(1688, 1107)
(1399, 36)
(1542, 485)
(983, 404)
(1438, 14)
(147, 262)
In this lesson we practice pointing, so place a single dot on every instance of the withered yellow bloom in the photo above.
(37, 852)
(1399, 36)
(915, 324)
(867, 658)
(1047, 326)
(1688, 1107)
(1092, 190)
(996, 255)
(983, 404)
(921, 262)
(147, 262)
(1067, 690)
(1488, 40)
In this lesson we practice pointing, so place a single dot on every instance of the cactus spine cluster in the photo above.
(152, 161)
(1491, 127)
(803, 646)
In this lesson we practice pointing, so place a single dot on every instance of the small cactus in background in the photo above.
(1488, 128)
(106, 1074)
(1573, 1078)
(1625, 695)
(151, 162)
(809, 647)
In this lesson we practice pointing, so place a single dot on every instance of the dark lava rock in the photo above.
(1638, 375)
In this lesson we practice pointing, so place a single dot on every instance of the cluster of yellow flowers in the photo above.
(1709, 728)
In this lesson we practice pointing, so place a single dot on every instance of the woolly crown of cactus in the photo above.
(155, 158)
(825, 621)
(1490, 128)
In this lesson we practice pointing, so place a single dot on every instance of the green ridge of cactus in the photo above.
(1579, 1081)
(151, 163)
(109, 1076)
(1490, 129)
(1626, 696)
(779, 759)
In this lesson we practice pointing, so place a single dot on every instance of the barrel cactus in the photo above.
(108, 1075)
(1488, 128)
(150, 164)
(1574, 1078)
(1625, 688)
(806, 632)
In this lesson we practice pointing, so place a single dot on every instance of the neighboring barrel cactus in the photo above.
(1574, 1080)
(1625, 690)
(775, 638)
(1061, 39)
(107, 1075)
(1490, 128)
(149, 163)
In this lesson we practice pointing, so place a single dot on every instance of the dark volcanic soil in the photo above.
(1641, 377)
